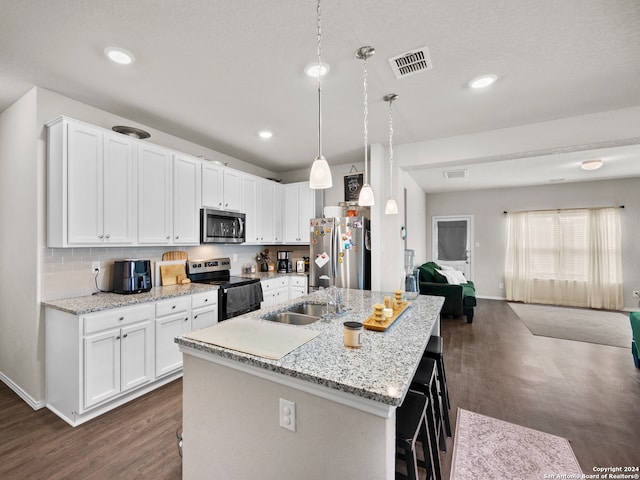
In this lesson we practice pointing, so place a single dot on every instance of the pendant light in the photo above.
(391, 208)
(320, 175)
(366, 198)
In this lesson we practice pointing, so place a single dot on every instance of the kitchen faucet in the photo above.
(334, 297)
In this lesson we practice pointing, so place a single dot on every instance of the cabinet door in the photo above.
(306, 199)
(291, 214)
(212, 185)
(137, 355)
(204, 318)
(84, 185)
(232, 190)
(282, 295)
(266, 210)
(278, 232)
(119, 188)
(186, 200)
(295, 292)
(249, 203)
(154, 195)
(101, 366)
(168, 355)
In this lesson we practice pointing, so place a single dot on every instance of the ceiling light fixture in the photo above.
(366, 198)
(119, 55)
(591, 164)
(313, 69)
(266, 134)
(320, 175)
(391, 208)
(482, 81)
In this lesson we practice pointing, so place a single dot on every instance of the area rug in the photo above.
(487, 448)
(579, 324)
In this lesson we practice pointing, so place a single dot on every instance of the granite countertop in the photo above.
(380, 370)
(269, 275)
(107, 301)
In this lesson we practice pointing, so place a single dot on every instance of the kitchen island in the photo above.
(345, 399)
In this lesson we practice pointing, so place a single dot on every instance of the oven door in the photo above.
(238, 300)
(217, 226)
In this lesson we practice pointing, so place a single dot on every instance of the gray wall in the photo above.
(487, 207)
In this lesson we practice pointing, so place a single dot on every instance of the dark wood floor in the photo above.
(587, 393)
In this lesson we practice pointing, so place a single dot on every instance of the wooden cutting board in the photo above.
(175, 255)
(169, 273)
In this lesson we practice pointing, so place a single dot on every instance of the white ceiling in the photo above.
(217, 72)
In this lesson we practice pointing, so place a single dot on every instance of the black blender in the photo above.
(284, 261)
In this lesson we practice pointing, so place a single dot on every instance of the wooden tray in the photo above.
(371, 324)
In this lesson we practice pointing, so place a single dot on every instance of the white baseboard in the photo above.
(487, 297)
(33, 403)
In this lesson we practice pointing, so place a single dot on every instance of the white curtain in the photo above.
(565, 257)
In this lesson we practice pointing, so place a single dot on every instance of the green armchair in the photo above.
(634, 317)
(458, 299)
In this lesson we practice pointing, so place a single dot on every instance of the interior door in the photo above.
(452, 243)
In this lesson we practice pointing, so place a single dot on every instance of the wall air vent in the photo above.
(408, 63)
(455, 173)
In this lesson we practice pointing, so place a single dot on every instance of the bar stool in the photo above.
(425, 382)
(411, 426)
(434, 351)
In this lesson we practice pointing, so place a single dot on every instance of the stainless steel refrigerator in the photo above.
(340, 252)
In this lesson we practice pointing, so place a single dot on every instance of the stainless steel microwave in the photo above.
(217, 226)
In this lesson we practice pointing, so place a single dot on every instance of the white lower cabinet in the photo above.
(279, 289)
(173, 318)
(204, 310)
(97, 361)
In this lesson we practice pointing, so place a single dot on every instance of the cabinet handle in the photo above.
(173, 307)
(206, 300)
(120, 319)
(118, 337)
(100, 236)
(125, 335)
(195, 316)
(177, 237)
(168, 237)
(186, 318)
(220, 204)
(107, 236)
(226, 204)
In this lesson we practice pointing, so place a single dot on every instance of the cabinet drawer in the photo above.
(268, 285)
(204, 299)
(298, 281)
(173, 305)
(282, 282)
(96, 322)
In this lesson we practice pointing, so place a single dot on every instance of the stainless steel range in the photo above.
(236, 295)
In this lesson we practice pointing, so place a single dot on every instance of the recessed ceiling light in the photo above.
(313, 68)
(482, 81)
(591, 164)
(119, 55)
(265, 134)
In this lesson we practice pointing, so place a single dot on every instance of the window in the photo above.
(565, 257)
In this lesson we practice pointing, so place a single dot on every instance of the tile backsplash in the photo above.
(66, 272)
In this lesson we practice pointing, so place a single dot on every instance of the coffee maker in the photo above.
(284, 261)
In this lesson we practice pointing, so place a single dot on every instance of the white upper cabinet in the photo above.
(250, 208)
(299, 207)
(91, 196)
(266, 210)
(278, 211)
(259, 206)
(221, 187)
(155, 193)
(186, 200)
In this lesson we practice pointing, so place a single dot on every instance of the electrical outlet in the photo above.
(95, 267)
(636, 293)
(501, 285)
(288, 414)
(235, 257)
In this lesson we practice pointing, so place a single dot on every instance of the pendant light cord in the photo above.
(390, 149)
(319, 38)
(366, 121)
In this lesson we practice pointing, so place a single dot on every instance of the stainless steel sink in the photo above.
(291, 318)
(314, 309)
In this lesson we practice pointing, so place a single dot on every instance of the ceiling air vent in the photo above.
(455, 173)
(408, 63)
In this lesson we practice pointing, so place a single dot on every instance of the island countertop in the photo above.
(380, 370)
